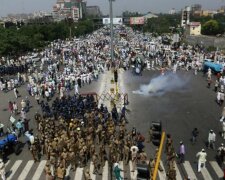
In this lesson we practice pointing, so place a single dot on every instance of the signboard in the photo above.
(12, 119)
(115, 21)
(137, 20)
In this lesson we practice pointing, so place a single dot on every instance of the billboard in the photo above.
(115, 21)
(137, 20)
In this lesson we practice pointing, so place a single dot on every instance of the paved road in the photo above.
(179, 112)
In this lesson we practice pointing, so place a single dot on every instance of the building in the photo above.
(193, 28)
(75, 9)
(93, 11)
(185, 16)
(196, 7)
(172, 11)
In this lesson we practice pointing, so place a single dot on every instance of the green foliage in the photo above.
(211, 27)
(162, 24)
(18, 41)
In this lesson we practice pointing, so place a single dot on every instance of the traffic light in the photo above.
(156, 133)
(115, 76)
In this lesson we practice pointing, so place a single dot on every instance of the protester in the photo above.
(211, 139)
(201, 159)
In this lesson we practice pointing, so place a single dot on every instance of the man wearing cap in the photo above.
(211, 139)
(201, 159)
(134, 151)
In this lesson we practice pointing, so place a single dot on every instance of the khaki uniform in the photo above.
(171, 174)
(34, 152)
(60, 172)
(87, 175)
(126, 153)
(95, 161)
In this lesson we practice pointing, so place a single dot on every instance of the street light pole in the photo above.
(111, 30)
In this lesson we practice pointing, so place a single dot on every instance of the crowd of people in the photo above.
(74, 129)
(90, 133)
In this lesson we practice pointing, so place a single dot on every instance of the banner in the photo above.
(115, 21)
(137, 20)
(12, 119)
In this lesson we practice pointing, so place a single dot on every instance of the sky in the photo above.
(142, 6)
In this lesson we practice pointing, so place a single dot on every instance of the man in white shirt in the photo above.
(201, 159)
(211, 139)
(134, 151)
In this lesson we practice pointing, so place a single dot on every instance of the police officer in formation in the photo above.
(74, 132)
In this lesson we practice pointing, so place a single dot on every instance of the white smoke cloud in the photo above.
(162, 84)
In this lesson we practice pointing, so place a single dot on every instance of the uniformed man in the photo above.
(72, 159)
(87, 175)
(126, 153)
(171, 174)
(95, 160)
(60, 172)
(34, 152)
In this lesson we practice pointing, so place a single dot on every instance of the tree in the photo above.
(211, 27)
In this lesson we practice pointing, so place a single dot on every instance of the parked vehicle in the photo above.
(10, 144)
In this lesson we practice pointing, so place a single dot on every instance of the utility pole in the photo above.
(111, 30)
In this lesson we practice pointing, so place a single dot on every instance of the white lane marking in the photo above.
(105, 171)
(121, 167)
(133, 175)
(216, 168)
(189, 170)
(26, 170)
(178, 177)
(162, 174)
(93, 176)
(206, 174)
(39, 170)
(79, 174)
(14, 168)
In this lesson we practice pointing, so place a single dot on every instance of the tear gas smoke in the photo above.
(162, 84)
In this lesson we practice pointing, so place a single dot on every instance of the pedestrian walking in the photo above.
(209, 81)
(76, 91)
(37, 98)
(134, 151)
(10, 106)
(211, 139)
(15, 108)
(16, 92)
(216, 85)
(117, 171)
(221, 98)
(195, 133)
(201, 159)
(223, 115)
(181, 152)
(221, 154)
